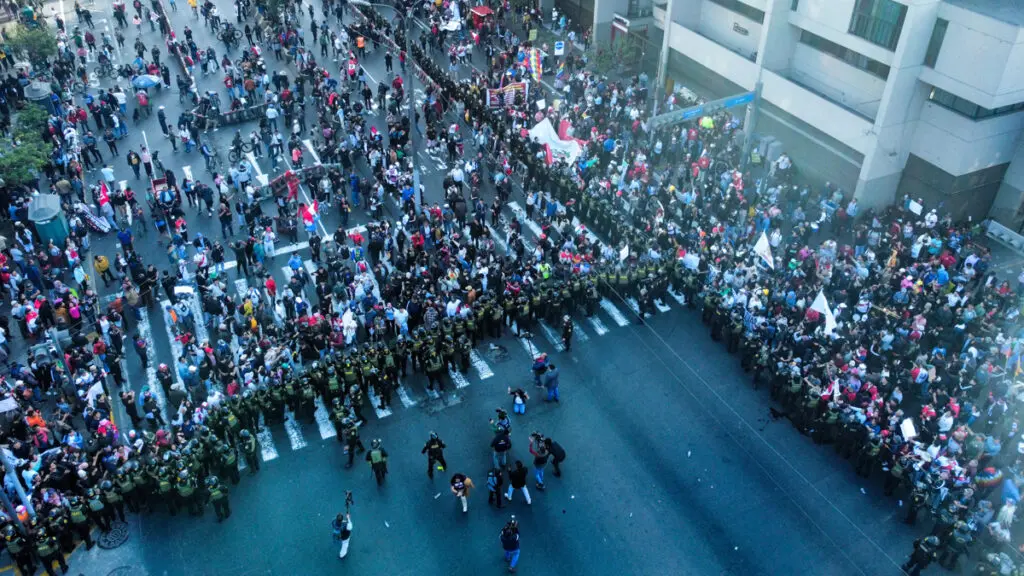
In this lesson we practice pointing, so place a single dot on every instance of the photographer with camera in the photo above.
(540, 458)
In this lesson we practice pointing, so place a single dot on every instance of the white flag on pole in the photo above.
(624, 253)
(820, 304)
(764, 250)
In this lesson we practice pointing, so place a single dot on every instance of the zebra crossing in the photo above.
(297, 435)
(409, 395)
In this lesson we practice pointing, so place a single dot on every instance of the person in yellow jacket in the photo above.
(102, 266)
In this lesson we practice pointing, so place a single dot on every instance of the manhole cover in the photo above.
(497, 352)
(117, 536)
(122, 571)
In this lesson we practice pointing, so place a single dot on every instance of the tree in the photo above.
(39, 44)
(23, 157)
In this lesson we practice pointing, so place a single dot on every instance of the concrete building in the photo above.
(881, 97)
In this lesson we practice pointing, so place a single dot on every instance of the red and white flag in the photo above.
(309, 213)
(104, 195)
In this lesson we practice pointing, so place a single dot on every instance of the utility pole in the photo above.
(666, 29)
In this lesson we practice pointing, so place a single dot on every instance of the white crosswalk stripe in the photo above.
(661, 306)
(404, 397)
(598, 325)
(375, 401)
(457, 377)
(433, 394)
(612, 311)
(529, 347)
(267, 448)
(578, 334)
(323, 420)
(146, 332)
(176, 347)
(633, 305)
(552, 336)
(291, 425)
(480, 365)
(677, 296)
(499, 239)
(528, 222)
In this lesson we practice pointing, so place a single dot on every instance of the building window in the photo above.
(741, 8)
(935, 44)
(969, 109)
(794, 5)
(878, 22)
(843, 53)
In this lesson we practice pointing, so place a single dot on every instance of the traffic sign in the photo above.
(684, 114)
(559, 48)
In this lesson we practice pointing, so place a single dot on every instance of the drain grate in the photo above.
(117, 536)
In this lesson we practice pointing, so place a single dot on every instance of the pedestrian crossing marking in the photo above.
(457, 377)
(433, 394)
(480, 365)
(498, 240)
(403, 395)
(633, 305)
(529, 347)
(198, 318)
(598, 325)
(266, 440)
(176, 347)
(323, 420)
(677, 296)
(375, 401)
(146, 333)
(613, 312)
(552, 337)
(291, 426)
(533, 226)
(661, 306)
(578, 333)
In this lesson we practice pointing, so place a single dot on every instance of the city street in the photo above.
(674, 465)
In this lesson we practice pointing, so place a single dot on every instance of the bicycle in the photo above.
(236, 154)
(107, 70)
(213, 163)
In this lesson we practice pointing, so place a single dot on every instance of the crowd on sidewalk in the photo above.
(881, 332)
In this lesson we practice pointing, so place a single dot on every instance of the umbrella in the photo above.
(145, 81)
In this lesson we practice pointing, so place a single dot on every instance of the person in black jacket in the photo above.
(517, 481)
(557, 455)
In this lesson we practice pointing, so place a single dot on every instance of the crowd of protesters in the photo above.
(914, 381)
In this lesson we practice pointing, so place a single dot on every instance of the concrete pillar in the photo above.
(604, 12)
(778, 37)
(899, 109)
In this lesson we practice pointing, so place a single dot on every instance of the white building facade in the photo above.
(883, 98)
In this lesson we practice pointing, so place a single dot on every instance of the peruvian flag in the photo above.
(104, 195)
(309, 213)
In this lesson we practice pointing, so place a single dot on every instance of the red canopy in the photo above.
(482, 11)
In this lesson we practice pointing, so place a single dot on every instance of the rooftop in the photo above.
(1009, 11)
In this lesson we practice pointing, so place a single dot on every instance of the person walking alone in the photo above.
(434, 449)
(510, 543)
(494, 484)
(461, 485)
(557, 455)
(517, 481)
(342, 527)
(378, 459)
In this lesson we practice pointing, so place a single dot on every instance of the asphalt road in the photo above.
(673, 465)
